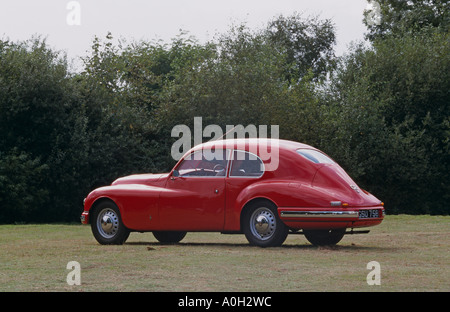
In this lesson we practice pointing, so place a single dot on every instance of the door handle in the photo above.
(216, 191)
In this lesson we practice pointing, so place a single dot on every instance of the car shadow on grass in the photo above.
(302, 246)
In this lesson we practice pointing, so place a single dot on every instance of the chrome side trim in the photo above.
(319, 214)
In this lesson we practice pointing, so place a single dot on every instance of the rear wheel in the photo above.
(107, 225)
(262, 226)
(324, 237)
(169, 237)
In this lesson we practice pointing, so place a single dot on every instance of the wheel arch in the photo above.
(247, 206)
(99, 201)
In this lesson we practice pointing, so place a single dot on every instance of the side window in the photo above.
(246, 164)
(204, 163)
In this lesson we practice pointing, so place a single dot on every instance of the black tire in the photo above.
(107, 225)
(262, 226)
(169, 237)
(324, 237)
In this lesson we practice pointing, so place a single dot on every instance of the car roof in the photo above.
(249, 143)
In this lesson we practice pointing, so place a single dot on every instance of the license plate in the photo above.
(369, 213)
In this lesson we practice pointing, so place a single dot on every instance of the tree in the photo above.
(33, 111)
(391, 113)
(254, 77)
(63, 134)
(307, 44)
(396, 17)
(22, 190)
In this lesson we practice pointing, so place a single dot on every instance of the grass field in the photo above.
(413, 253)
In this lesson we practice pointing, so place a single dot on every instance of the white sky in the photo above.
(149, 19)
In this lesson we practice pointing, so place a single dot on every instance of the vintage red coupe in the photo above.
(263, 188)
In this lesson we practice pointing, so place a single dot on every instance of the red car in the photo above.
(232, 186)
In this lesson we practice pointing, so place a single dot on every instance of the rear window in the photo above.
(315, 156)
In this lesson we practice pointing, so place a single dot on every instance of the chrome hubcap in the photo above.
(263, 223)
(108, 223)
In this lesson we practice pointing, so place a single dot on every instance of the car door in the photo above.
(194, 199)
(245, 169)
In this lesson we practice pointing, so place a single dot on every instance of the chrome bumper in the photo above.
(319, 214)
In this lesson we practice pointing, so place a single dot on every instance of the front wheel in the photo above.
(324, 237)
(262, 226)
(107, 225)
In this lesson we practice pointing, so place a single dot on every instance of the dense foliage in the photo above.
(382, 110)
